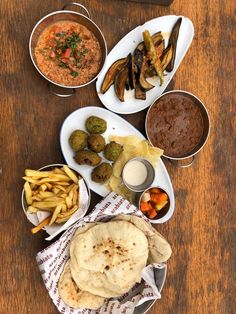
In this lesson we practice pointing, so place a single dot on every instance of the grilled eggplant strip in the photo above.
(173, 41)
(142, 80)
(166, 57)
(120, 83)
(152, 55)
(139, 92)
(112, 72)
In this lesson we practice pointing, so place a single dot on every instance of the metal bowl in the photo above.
(149, 179)
(72, 16)
(185, 159)
(31, 217)
(161, 213)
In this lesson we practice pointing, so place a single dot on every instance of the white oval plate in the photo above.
(116, 126)
(126, 45)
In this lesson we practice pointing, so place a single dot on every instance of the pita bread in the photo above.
(159, 249)
(73, 296)
(108, 259)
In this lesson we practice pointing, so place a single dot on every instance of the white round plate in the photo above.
(126, 45)
(115, 126)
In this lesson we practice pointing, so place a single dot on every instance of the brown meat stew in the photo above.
(175, 124)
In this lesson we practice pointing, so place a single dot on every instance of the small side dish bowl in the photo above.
(138, 174)
(179, 123)
(154, 203)
(64, 50)
(66, 196)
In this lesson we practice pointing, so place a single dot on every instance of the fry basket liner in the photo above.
(52, 259)
(55, 229)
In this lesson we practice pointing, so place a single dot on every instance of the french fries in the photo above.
(55, 191)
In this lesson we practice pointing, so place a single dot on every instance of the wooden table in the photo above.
(201, 273)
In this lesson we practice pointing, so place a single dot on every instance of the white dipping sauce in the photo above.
(135, 173)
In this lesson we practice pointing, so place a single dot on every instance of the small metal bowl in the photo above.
(71, 16)
(161, 214)
(31, 217)
(149, 179)
(186, 159)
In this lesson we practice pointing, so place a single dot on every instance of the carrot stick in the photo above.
(144, 206)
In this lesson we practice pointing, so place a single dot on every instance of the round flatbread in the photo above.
(73, 296)
(159, 249)
(108, 259)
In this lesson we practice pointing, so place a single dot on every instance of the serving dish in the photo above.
(73, 16)
(115, 126)
(127, 45)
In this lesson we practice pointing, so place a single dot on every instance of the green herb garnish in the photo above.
(74, 73)
(60, 35)
(63, 64)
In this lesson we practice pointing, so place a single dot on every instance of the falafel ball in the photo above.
(78, 140)
(112, 151)
(96, 143)
(102, 173)
(96, 125)
(87, 157)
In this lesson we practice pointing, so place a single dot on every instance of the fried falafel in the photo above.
(96, 143)
(78, 140)
(87, 157)
(102, 173)
(96, 125)
(112, 151)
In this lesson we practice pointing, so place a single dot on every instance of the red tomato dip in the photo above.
(68, 53)
(175, 124)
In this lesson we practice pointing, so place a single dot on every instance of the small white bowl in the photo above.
(149, 179)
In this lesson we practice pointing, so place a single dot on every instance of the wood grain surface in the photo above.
(202, 270)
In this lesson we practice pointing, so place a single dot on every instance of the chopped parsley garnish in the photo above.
(66, 52)
(63, 64)
(72, 41)
(74, 73)
(60, 35)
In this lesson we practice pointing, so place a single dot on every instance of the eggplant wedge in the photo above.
(142, 80)
(157, 38)
(160, 49)
(138, 60)
(166, 57)
(152, 55)
(139, 92)
(132, 71)
(112, 72)
(120, 82)
(173, 41)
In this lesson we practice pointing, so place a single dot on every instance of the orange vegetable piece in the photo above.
(155, 190)
(144, 206)
(152, 213)
(159, 198)
(154, 198)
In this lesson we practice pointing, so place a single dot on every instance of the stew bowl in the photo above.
(72, 16)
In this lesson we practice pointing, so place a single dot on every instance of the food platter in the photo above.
(127, 45)
(115, 126)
